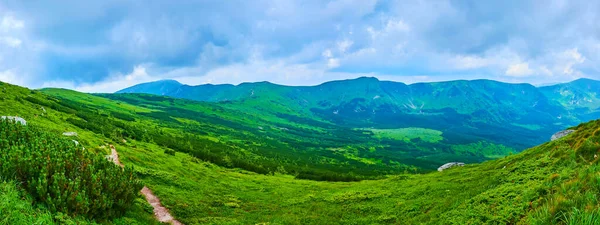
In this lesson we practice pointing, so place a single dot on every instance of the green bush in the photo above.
(169, 152)
(62, 176)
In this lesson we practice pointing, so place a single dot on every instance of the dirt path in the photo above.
(114, 156)
(160, 212)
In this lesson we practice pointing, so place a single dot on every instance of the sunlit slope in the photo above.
(49, 179)
(552, 183)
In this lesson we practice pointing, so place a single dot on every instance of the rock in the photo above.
(15, 119)
(70, 133)
(561, 134)
(450, 165)
(76, 142)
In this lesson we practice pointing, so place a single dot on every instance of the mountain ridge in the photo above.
(517, 115)
(363, 78)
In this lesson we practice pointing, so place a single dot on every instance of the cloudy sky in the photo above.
(103, 46)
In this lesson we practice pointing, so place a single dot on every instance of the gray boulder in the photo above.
(561, 134)
(70, 134)
(15, 119)
(450, 165)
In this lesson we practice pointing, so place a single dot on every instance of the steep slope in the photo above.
(56, 175)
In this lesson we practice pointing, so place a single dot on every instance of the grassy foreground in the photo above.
(555, 183)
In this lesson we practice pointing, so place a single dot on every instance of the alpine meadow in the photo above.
(299, 112)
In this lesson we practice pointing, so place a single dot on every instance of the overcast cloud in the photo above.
(103, 46)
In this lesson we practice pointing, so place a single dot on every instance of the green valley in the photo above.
(236, 162)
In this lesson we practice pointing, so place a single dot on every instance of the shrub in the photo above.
(64, 177)
(169, 151)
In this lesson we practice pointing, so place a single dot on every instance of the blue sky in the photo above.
(103, 46)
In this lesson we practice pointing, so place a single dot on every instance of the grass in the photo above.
(507, 190)
(16, 207)
(407, 134)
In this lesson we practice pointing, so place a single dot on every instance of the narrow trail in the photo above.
(160, 212)
(114, 156)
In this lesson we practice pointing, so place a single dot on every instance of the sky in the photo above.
(104, 46)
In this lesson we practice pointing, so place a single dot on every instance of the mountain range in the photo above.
(516, 115)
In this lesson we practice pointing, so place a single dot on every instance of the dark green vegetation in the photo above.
(63, 176)
(199, 159)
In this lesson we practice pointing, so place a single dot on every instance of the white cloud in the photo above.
(469, 62)
(333, 63)
(435, 40)
(392, 28)
(545, 71)
(396, 25)
(109, 85)
(9, 22)
(9, 76)
(11, 42)
(344, 45)
(519, 70)
(327, 53)
(570, 58)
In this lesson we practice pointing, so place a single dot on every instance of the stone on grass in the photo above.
(71, 133)
(450, 165)
(561, 134)
(15, 119)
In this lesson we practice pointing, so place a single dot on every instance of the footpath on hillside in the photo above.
(160, 212)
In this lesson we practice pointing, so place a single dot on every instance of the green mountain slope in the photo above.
(162, 87)
(581, 97)
(554, 183)
(514, 115)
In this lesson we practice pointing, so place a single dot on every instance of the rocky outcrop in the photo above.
(15, 119)
(561, 134)
(70, 134)
(450, 165)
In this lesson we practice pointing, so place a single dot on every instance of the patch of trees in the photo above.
(62, 176)
(328, 176)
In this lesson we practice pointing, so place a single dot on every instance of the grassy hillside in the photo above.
(552, 183)
(556, 182)
(57, 180)
(245, 136)
(518, 116)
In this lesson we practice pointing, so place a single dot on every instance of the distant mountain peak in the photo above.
(166, 81)
(367, 78)
(160, 87)
(583, 79)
